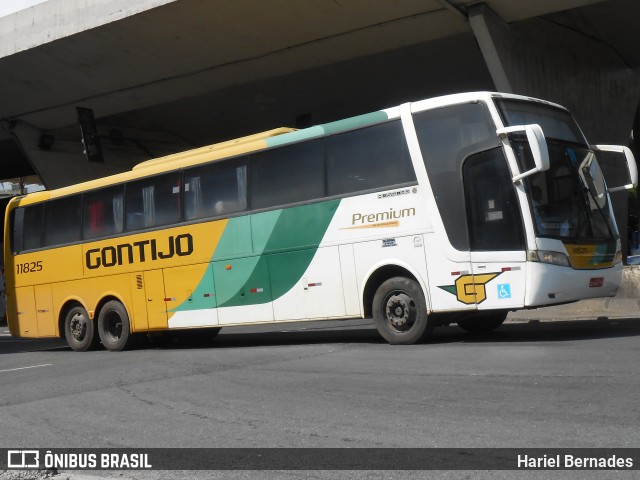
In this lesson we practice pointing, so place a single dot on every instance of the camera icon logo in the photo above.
(23, 459)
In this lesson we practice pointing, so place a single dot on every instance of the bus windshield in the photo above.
(569, 201)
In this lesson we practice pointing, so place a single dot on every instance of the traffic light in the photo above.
(90, 138)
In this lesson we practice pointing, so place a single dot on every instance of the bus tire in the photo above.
(114, 327)
(482, 323)
(400, 311)
(79, 330)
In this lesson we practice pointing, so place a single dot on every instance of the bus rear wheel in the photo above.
(400, 311)
(483, 322)
(114, 327)
(79, 330)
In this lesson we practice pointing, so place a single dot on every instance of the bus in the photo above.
(456, 209)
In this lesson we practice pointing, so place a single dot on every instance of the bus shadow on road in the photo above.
(520, 332)
(362, 334)
(537, 331)
(277, 338)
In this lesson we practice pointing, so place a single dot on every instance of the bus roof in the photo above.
(225, 149)
(209, 153)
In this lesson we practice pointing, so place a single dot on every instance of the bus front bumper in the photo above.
(553, 284)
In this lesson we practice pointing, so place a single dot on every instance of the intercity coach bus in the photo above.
(456, 209)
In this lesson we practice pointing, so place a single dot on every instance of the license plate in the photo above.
(596, 282)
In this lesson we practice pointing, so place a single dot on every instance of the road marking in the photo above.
(25, 368)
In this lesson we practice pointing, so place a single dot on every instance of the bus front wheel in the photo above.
(114, 327)
(400, 311)
(79, 329)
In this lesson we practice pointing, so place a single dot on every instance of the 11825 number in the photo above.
(29, 267)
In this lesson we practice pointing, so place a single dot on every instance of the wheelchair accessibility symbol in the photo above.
(504, 291)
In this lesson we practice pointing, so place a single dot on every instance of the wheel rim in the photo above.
(112, 326)
(400, 311)
(78, 326)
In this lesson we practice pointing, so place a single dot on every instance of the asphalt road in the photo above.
(333, 384)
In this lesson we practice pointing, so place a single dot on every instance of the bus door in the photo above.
(44, 311)
(35, 311)
(24, 305)
(496, 232)
(149, 306)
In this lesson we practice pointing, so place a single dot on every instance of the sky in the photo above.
(7, 7)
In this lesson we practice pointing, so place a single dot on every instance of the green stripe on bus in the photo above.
(328, 128)
(246, 283)
(300, 229)
(284, 244)
(262, 227)
(355, 122)
(295, 136)
(242, 243)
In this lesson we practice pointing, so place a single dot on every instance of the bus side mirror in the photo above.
(631, 164)
(537, 143)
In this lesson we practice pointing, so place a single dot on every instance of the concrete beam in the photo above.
(486, 24)
(55, 19)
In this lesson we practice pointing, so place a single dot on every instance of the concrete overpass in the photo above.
(165, 75)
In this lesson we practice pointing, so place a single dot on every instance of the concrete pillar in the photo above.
(485, 25)
(545, 59)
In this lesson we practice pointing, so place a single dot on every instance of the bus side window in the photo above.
(62, 221)
(287, 175)
(492, 207)
(153, 202)
(447, 136)
(26, 225)
(17, 228)
(32, 227)
(215, 189)
(368, 158)
(103, 212)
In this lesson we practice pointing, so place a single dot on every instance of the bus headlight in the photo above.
(547, 256)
